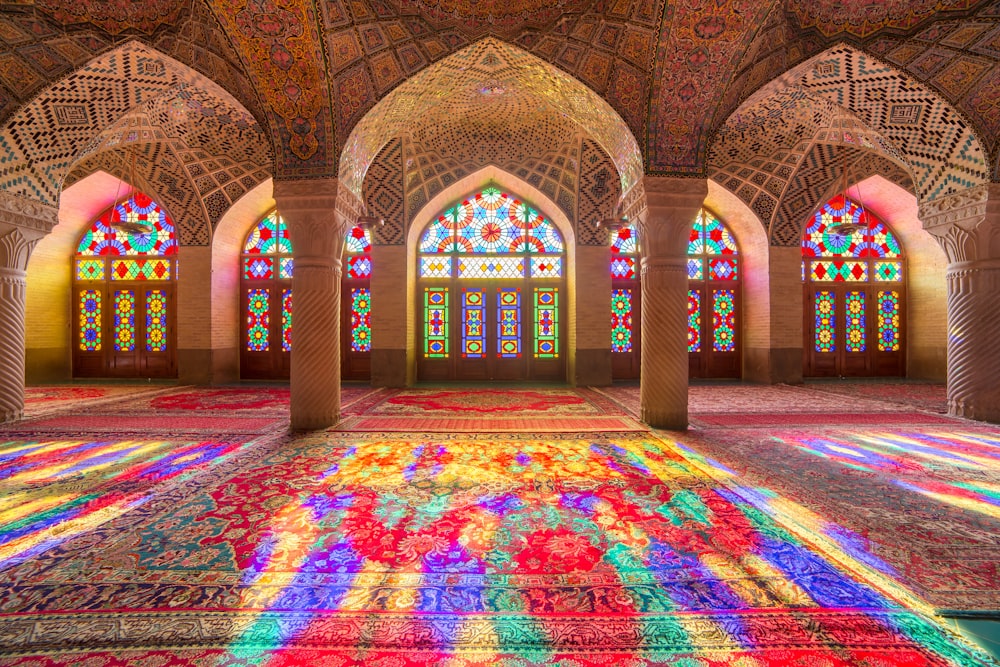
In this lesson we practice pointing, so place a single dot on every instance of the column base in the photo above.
(669, 421)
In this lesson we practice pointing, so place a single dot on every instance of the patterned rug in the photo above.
(48, 399)
(492, 402)
(345, 549)
(431, 424)
(930, 396)
(920, 504)
(818, 419)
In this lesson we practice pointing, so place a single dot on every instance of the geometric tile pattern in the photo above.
(961, 61)
(940, 146)
(863, 19)
(134, 95)
(819, 177)
(489, 103)
(383, 194)
(599, 193)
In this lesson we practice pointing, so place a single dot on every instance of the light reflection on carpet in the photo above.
(465, 550)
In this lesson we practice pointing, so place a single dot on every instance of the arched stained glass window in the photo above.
(124, 278)
(506, 330)
(854, 293)
(266, 293)
(713, 268)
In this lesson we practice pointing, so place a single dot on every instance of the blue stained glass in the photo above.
(508, 322)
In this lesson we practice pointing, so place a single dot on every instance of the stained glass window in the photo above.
(491, 223)
(286, 319)
(825, 323)
(133, 241)
(508, 322)
(546, 322)
(124, 321)
(694, 321)
(473, 323)
(361, 330)
(869, 253)
(268, 237)
(621, 320)
(888, 321)
(258, 319)
(436, 322)
(90, 320)
(724, 320)
(106, 237)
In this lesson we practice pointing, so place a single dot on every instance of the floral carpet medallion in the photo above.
(347, 549)
(489, 402)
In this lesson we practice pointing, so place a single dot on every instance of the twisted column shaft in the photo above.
(12, 292)
(973, 357)
(663, 387)
(315, 386)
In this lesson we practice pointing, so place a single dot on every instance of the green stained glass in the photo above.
(436, 322)
(694, 321)
(286, 319)
(889, 337)
(825, 329)
(156, 321)
(90, 320)
(124, 321)
(724, 320)
(621, 320)
(269, 237)
(258, 318)
(546, 306)
(473, 323)
(855, 322)
(888, 271)
(90, 269)
(361, 330)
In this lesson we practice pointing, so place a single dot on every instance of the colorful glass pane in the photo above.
(720, 269)
(361, 330)
(90, 320)
(623, 268)
(124, 321)
(491, 222)
(694, 320)
(473, 323)
(90, 269)
(625, 241)
(889, 336)
(285, 266)
(358, 240)
(508, 322)
(156, 321)
(269, 237)
(140, 269)
(709, 236)
(435, 267)
(359, 266)
(888, 271)
(258, 268)
(855, 322)
(436, 322)
(490, 267)
(696, 269)
(286, 320)
(621, 320)
(105, 237)
(546, 267)
(825, 329)
(724, 320)
(258, 319)
(838, 271)
(873, 240)
(546, 322)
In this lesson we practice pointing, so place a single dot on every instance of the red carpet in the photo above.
(791, 419)
(431, 424)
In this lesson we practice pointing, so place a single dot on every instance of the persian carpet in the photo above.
(516, 424)
(930, 396)
(818, 419)
(920, 504)
(48, 399)
(524, 402)
(345, 549)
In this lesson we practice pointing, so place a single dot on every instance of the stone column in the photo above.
(967, 225)
(317, 228)
(22, 224)
(664, 227)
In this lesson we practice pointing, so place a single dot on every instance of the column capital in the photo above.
(27, 214)
(966, 223)
(671, 205)
(16, 244)
(318, 213)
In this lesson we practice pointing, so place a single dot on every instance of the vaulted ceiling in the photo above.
(684, 76)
